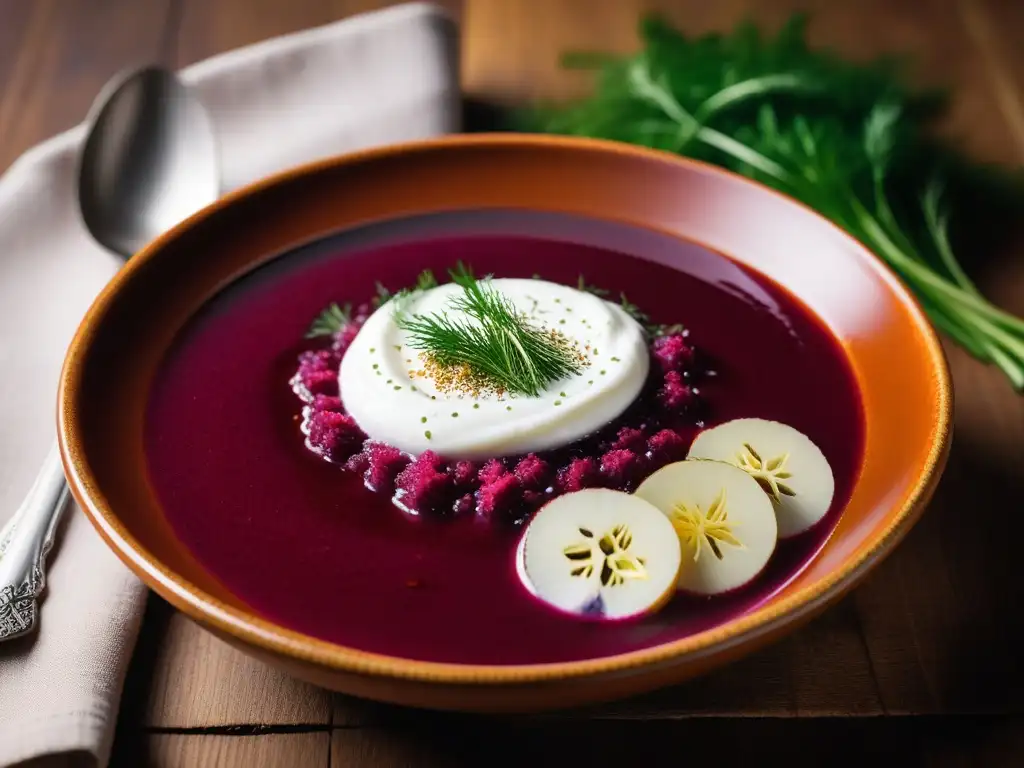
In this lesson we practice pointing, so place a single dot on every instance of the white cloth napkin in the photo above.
(381, 77)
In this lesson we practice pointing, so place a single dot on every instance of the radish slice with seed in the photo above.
(724, 521)
(601, 553)
(789, 467)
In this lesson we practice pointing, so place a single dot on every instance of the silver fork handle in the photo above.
(24, 544)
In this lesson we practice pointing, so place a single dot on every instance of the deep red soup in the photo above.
(308, 546)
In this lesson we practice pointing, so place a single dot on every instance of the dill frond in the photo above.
(496, 342)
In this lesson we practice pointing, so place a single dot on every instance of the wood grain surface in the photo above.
(932, 638)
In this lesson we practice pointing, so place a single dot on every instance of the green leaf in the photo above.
(330, 321)
(880, 135)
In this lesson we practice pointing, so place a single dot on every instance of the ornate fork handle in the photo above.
(24, 544)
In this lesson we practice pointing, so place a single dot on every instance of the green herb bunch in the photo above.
(498, 343)
(849, 140)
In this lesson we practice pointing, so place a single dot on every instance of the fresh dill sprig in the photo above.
(424, 281)
(501, 346)
(653, 330)
(666, 330)
(330, 321)
(383, 296)
(583, 285)
(633, 311)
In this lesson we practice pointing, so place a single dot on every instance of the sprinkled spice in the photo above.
(423, 419)
(562, 394)
(376, 366)
(390, 381)
(476, 405)
(558, 402)
(508, 407)
(603, 372)
(460, 379)
(616, 360)
(373, 349)
(397, 387)
(427, 434)
(455, 414)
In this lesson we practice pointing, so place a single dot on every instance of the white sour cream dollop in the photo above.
(391, 403)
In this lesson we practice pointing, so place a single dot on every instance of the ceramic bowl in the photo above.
(897, 360)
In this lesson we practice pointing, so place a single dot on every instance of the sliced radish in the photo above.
(600, 552)
(724, 521)
(789, 467)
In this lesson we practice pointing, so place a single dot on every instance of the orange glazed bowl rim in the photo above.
(268, 636)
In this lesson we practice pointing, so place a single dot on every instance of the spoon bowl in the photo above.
(148, 162)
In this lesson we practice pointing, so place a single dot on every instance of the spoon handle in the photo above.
(24, 544)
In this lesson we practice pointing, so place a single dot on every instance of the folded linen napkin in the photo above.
(381, 77)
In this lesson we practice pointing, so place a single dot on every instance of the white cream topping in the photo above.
(391, 402)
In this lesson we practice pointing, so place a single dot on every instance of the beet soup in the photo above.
(273, 496)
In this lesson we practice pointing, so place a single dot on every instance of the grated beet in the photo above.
(320, 383)
(620, 467)
(500, 498)
(344, 337)
(424, 486)
(385, 463)
(358, 462)
(579, 474)
(672, 352)
(335, 435)
(674, 395)
(317, 360)
(328, 403)
(532, 472)
(666, 446)
(464, 474)
(491, 471)
(630, 439)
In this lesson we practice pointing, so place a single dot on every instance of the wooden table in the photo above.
(931, 641)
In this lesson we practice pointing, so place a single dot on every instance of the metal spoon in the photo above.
(149, 160)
